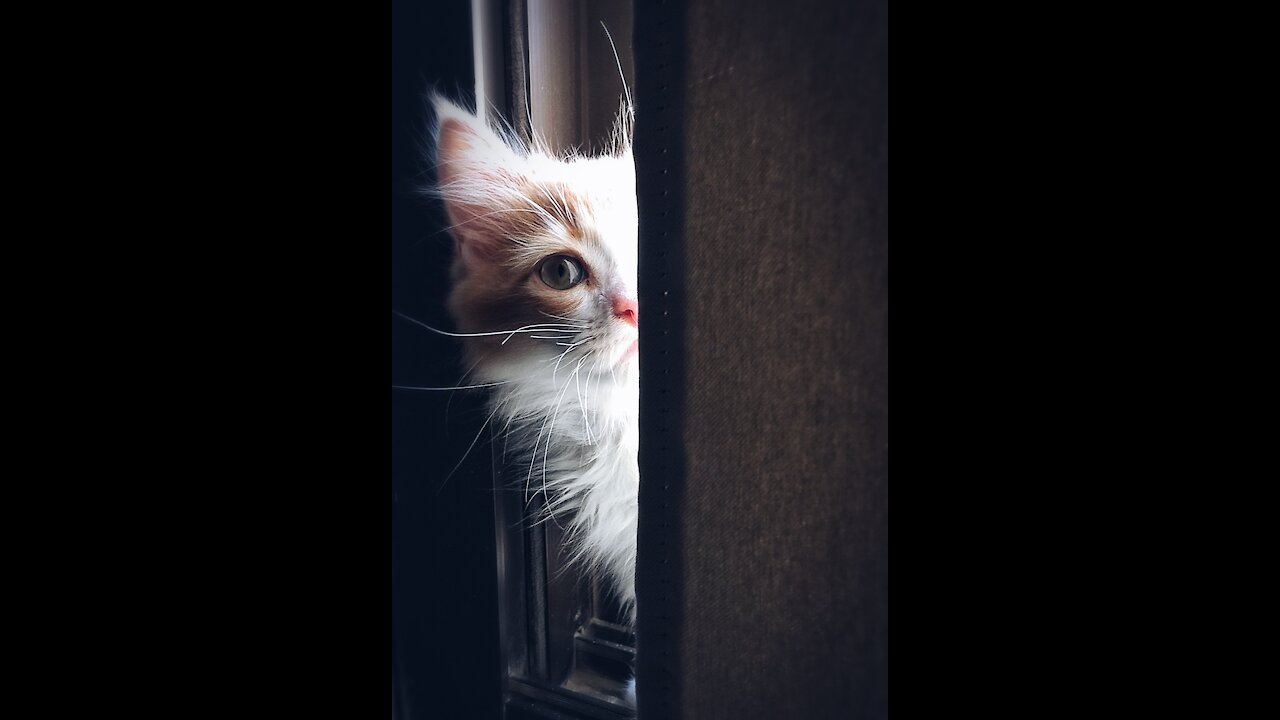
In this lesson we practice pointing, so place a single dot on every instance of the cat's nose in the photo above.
(625, 307)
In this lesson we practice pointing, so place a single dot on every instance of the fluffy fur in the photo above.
(563, 363)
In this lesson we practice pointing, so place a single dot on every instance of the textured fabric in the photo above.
(762, 151)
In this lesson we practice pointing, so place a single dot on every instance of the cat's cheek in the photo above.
(564, 303)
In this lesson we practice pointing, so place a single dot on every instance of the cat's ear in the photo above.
(482, 181)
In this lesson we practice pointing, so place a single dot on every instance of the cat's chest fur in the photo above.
(572, 438)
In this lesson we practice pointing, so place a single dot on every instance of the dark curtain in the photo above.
(762, 147)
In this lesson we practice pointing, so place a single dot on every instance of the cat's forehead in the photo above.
(610, 178)
(594, 198)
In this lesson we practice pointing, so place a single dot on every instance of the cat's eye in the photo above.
(561, 272)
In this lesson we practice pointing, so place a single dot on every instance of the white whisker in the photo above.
(465, 375)
(625, 90)
(455, 387)
(568, 349)
(468, 452)
(546, 454)
(485, 215)
(537, 327)
(561, 317)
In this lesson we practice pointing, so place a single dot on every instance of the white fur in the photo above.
(574, 433)
(567, 399)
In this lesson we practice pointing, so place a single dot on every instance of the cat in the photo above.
(544, 291)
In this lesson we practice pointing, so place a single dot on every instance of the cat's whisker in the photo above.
(556, 368)
(591, 439)
(465, 375)
(455, 387)
(548, 422)
(559, 207)
(485, 215)
(568, 349)
(625, 90)
(576, 344)
(503, 432)
(561, 317)
(599, 376)
(555, 412)
(468, 452)
(536, 327)
(564, 202)
(539, 210)
(533, 459)
(566, 352)
(581, 404)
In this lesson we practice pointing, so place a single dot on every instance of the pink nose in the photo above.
(625, 308)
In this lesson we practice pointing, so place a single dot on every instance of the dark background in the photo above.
(444, 601)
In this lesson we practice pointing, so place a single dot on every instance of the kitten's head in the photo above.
(545, 248)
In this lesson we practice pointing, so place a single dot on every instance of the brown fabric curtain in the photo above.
(762, 152)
